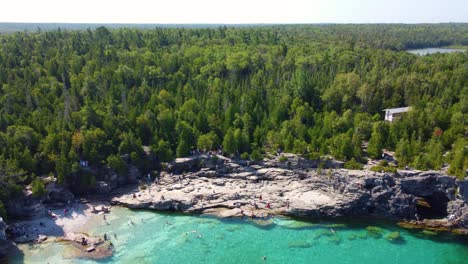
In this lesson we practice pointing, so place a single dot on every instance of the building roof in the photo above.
(397, 110)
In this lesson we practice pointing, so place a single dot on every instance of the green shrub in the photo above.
(283, 159)
(353, 165)
(312, 156)
(378, 168)
(245, 156)
(118, 164)
(256, 155)
(383, 163)
(38, 187)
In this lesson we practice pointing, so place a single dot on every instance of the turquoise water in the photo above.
(427, 51)
(170, 238)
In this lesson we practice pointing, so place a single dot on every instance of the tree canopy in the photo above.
(97, 95)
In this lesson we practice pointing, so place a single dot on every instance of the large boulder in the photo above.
(57, 193)
(181, 165)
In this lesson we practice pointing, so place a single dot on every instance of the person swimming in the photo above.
(264, 258)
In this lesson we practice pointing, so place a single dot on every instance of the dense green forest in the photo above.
(98, 95)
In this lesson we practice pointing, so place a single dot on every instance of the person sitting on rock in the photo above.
(84, 241)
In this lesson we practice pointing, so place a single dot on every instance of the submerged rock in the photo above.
(374, 231)
(394, 237)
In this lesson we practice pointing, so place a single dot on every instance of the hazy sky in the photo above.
(234, 11)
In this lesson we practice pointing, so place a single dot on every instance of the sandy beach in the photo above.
(77, 217)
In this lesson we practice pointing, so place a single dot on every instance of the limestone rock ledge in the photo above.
(230, 188)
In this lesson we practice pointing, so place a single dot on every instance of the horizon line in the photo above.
(239, 23)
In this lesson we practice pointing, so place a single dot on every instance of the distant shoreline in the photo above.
(10, 27)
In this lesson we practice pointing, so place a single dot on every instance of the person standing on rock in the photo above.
(417, 218)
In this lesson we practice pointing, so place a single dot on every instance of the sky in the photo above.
(234, 11)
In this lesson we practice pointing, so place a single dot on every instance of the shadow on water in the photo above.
(15, 255)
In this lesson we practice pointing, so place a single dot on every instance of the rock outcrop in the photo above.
(25, 207)
(216, 184)
(6, 246)
(87, 246)
(57, 193)
(463, 189)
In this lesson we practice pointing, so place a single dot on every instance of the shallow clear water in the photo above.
(427, 51)
(170, 238)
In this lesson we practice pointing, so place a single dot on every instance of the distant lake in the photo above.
(427, 51)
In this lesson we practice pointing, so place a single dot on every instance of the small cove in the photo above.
(176, 238)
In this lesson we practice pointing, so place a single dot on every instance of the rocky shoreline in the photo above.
(280, 185)
(296, 187)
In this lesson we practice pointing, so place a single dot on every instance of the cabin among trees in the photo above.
(392, 114)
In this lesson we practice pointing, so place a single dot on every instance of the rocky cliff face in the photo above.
(294, 187)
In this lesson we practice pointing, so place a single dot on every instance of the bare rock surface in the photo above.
(230, 188)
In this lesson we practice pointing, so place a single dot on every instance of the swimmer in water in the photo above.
(264, 258)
